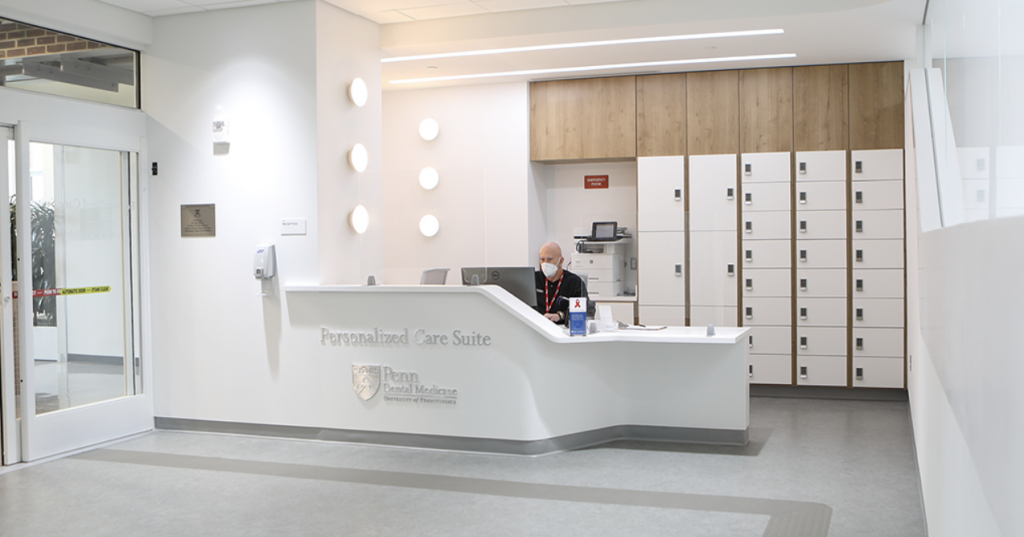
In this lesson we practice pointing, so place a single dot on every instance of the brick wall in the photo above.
(21, 40)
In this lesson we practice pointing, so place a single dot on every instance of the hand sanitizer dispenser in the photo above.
(264, 265)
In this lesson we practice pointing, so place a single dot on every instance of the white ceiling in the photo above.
(817, 31)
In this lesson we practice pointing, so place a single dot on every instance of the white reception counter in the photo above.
(475, 369)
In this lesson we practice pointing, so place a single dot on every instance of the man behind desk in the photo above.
(555, 286)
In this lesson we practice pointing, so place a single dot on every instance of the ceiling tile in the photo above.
(172, 11)
(143, 6)
(388, 17)
(228, 4)
(516, 5)
(444, 11)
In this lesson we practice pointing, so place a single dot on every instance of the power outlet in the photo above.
(632, 263)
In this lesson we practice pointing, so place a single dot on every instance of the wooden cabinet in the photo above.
(661, 115)
(820, 104)
(585, 119)
(766, 110)
(876, 105)
(712, 113)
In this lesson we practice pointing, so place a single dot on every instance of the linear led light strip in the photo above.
(594, 68)
(580, 45)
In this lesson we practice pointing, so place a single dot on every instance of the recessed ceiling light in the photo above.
(661, 39)
(594, 68)
(431, 67)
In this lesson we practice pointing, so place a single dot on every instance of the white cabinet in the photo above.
(765, 167)
(821, 312)
(821, 196)
(661, 268)
(767, 225)
(877, 164)
(766, 197)
(886, 224)
(770, 340)
(820, 166)
(821, 370)
(821, 225)
(821, 254)
(878, 312)
(767, 282)
(874, 372)
(766, 254)
(662, 315)
(713, 193)
(878, 283)
(716, 315)
(878, 342)
(818, 340)
(821, 283)
(770, 369)
(877, 195)
(767, 311)
(868, 254)
(713, 271)
(660, 193)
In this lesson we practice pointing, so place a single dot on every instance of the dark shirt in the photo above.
(572, 287)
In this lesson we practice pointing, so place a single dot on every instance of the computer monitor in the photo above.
(603, 231)
(520, 281)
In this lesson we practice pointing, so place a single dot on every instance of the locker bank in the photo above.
(280, 267)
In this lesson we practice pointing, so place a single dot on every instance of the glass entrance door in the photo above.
(9, 433)
(75, 305)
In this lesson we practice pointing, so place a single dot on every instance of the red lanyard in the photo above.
(549, 303)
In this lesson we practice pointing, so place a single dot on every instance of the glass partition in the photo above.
(37, 59)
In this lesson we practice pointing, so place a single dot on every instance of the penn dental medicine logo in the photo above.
(399, 386)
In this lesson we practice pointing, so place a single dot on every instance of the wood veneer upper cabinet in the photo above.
(766, 110)
(820, 106)
(583, 119)
(876, 105)
(712, 112)
(661, 115)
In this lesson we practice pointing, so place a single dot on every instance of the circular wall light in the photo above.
(429, 225)
(429, 178)
(357, 92)
(429, 129)
(358, 158)
(359, 219)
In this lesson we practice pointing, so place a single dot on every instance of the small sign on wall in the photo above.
(198, 221)
(595, 181)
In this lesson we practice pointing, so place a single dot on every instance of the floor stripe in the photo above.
(788, 518)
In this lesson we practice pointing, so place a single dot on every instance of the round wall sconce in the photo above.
(429, 225)
(429, 178)
(359, 219)
(429, 129)
(358, 158)
(357, 92)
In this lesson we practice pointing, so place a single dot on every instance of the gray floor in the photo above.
(847, 466)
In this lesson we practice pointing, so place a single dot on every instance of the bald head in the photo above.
(552, 253)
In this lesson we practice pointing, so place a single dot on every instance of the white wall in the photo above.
(483, 198)
(217, 346)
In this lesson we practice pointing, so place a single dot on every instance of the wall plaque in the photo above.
(198, 220)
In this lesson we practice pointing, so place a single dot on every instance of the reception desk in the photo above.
(473, 368)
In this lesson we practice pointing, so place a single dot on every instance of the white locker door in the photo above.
(821, 283)
(877, 164)
(662, 315)
(770, 369)
(766, 197)
(886, 224)
(821, 225)
(878, 312)
(767, 312)
(766, 254)
(765, 167)
(660, 193)
(820, 166)
(875, 372)
(713, 271)
(767, 282)
(871, 254)
(878, 342)
(661, 268)
(770, 340)
(877, 195)
(821, 312)
(713, 193)
(821, 254)
(821, 196)
(715, 315)
(767, 225)
(878, 283)
(821, 341)
(821, 370)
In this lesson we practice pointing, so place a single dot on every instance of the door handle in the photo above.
(729, 194)
(679, 270)
(679, 194)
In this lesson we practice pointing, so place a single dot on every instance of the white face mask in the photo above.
(549, 269)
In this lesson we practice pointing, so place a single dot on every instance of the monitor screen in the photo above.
(603, 231)
(519, 281)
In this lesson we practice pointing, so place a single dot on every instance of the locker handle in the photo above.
(803, 371)
(750, 284)
(803, 226)
(803, 167)
(803, 314)
(749, 226)
(859, 197)
(750, 255)
(860, 255)
(749, 198)
(751, 374)
(860, 343)
(803, 342)
(803, 255)
(860, 373)
(860, 226)
(860, 314)
(858, 167)
(803, 284)
(679, 270)
(803, 197)
(730, 269)
(747, 168)
(750, 343)
(860, 285)
(728, 194)
(679, 194)
(750, 312)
